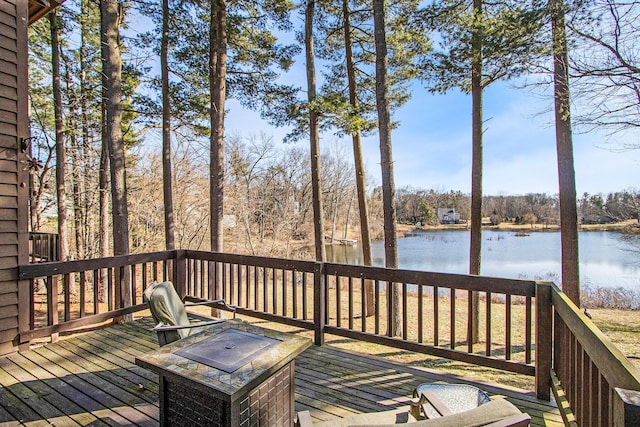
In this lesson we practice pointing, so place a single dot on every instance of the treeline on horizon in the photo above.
(421, 206)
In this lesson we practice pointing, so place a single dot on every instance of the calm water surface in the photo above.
(604, 260)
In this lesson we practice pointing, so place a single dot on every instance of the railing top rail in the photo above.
(41, 233)
(613, 365)
(444, 280)
(33, 271)
(278, 263)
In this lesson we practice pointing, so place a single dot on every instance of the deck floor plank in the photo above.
(67, 398)
(5, 416)
(34, 394)
(121, 372)
(137, 389)
(129, 400)
(118, 353)
(380, 383)
(142, 329)
(357, 366)
(108, 407)
(127, 335)
(13, 408)
(123, 356)
(96, 371)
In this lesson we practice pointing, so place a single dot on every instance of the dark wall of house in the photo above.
(13, 177)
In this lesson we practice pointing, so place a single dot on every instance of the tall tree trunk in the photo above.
(169, 227)
(358, 160)
(564, 143)
(475, 250)
(76, 173)
(386, 163)
(81, 149)
(78, 192)
(217, 84)
(103, 183)
(60, 148)
(86, 138)
(104, 187)
(217, 87)
(78, 208)
(314, 136)
(111, 68)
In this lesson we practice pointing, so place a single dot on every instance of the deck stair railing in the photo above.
(599, 382)
(44, 247)
(336, 299)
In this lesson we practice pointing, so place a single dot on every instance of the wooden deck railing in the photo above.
(431, 320)
(280, 290)
(68, 295)
(334, 299)
(43, 247)
(600, 384)
(283, 290)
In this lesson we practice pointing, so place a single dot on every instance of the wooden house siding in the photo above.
(13, 193)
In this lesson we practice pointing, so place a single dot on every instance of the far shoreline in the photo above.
(623, 226)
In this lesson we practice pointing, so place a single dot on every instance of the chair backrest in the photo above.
(167, 308)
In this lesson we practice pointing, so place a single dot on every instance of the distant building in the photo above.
(448, 216)
(596, 219)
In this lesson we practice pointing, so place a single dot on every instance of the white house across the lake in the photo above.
(448, 216)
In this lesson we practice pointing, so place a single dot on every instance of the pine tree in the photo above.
(110, 12)
(480, 45)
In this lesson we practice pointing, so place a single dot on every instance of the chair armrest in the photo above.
(217, 302)
(160, 328)
(429, 397)
(519, 420)
(437, 404)
(304, 419)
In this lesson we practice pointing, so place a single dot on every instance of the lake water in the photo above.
(605, 261)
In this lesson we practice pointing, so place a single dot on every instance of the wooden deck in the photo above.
(90, 379)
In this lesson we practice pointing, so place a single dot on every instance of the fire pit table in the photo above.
(231, 374)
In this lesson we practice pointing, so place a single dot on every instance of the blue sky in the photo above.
(432, 145)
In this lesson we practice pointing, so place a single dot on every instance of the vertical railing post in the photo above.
(55, 245)
(391, 320)
(544, 342)
(559, 346)
(66, 283)
(626, 408)
(52, 304)
(319, 303)
(180, 272)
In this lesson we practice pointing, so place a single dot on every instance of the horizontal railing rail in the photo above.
(594, 375)
(68, 295)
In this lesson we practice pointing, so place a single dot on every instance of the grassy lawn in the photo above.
(622, 327)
